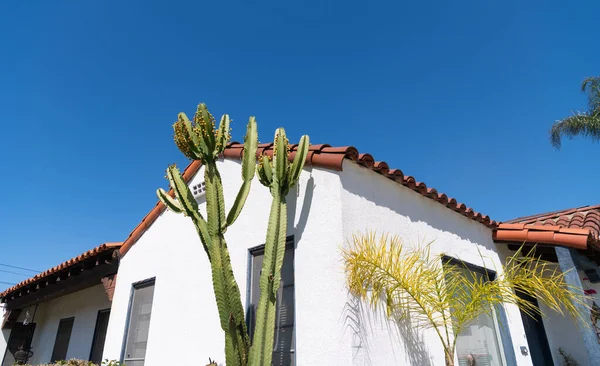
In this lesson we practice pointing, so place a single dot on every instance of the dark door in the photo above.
(99, 336)
(20, 336)
(536, 336)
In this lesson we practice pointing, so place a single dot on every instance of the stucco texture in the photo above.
(331, 327)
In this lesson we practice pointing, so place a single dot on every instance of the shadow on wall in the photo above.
(386, 193)
(292, 201)
(360, 319)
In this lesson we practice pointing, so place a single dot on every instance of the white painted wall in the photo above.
(379, 204)
(331, 327)
(83, 305)
(562, 332)
(184, 315)
(4, 334)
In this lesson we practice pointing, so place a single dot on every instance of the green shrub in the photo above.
(75, 362)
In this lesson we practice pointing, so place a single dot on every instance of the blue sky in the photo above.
(459, 94)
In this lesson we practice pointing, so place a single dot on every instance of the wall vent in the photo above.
(199, 190)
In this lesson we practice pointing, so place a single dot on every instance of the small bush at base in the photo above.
(75, 362)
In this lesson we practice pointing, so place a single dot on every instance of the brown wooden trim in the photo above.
(64, 287)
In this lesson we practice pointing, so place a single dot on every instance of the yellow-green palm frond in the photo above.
(433, 292)
(408, 282)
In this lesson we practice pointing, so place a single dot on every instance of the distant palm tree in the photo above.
(581, 123)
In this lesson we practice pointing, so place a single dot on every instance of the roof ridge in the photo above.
(328, 157)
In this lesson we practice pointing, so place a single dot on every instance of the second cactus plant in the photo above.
(280, 177)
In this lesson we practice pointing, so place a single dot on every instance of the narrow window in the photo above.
(136, 335)
(283, 348)
(99, 336)
(63, 336)
(480, 341)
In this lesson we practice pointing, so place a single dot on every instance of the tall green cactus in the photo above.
(198, 140)
(279, 176)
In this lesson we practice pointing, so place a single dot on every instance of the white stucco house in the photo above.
(61, 313)
(165, 275)
(163, 310)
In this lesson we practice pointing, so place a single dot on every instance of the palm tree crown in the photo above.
(581, 123)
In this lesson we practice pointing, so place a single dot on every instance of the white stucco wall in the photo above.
(184, 315)
(382, 205)
(83, 305)
(562, 331)
(331, 328)
(4, 334)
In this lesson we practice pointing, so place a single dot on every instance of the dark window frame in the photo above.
(134, 286)
(102, 311)
(52, 357)
(503, 334)
(290, 243)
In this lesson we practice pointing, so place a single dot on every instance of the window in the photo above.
(283, 349)
(99, 336)
(63, 336)
(480, 340)
(136, 334)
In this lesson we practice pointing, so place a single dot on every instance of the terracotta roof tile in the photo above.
(542, 234)
(328, 157)
(71, 262)
(586, 217)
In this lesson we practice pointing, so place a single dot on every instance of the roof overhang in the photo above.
(547, 236)
(83, 271)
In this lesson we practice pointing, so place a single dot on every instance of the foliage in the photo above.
(76, 362)
(417, 285)
(198, 140)
(279, 176)
(581, 123)
(567, 359)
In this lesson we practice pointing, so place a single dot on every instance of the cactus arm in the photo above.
(280, 158)
(248, 170)
(261, 352)
(239, 202)
(265, 171)
(168, 201)
(223, 134)
(249, 153)
(206, 124)
(183, 194)
(299, 160)
(187, 139)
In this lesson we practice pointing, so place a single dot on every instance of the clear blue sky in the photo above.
(460, 94)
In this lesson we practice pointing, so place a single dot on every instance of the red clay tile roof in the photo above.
(545, 234)
(71, 262)
(328, 157)
(585, 217)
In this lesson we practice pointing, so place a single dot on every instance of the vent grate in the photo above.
(199, 190)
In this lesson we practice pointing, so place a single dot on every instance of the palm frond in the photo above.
(591, 86)
(578, 124)
(414, 284)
